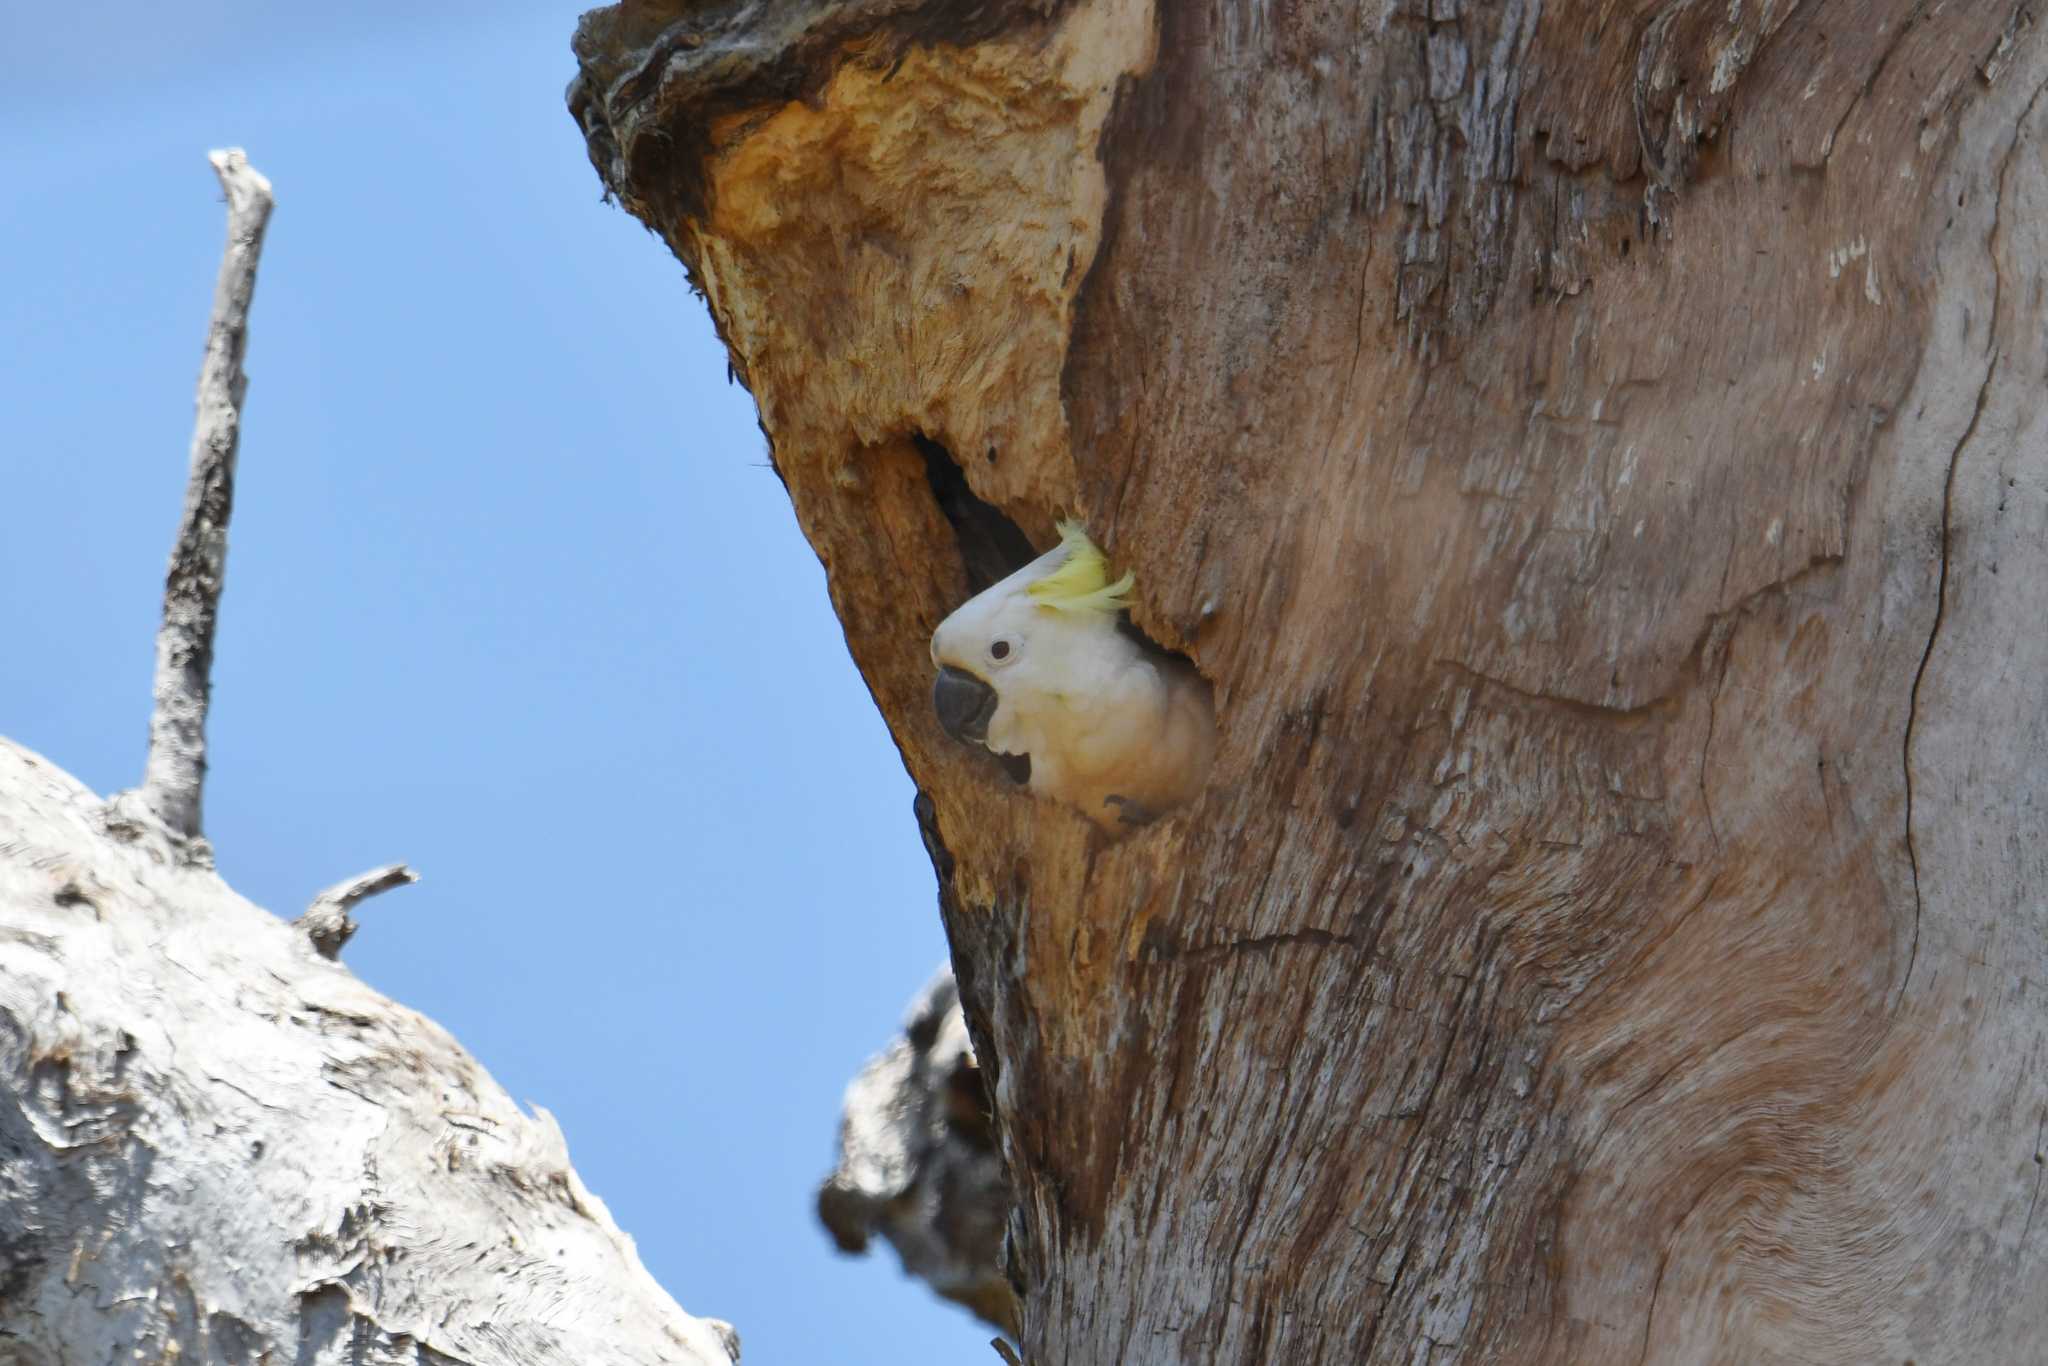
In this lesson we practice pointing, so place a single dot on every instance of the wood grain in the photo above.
(1596, 452)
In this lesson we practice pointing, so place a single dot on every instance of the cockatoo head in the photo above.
(1019, 662)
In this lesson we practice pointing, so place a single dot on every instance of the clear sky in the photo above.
(512, 595)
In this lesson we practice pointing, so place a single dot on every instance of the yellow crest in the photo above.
(1081, 583)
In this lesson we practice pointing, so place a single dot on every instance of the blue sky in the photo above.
(512, 595)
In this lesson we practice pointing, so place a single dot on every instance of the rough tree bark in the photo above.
(174, 778)
(917, 1162)
(1597, 452)
(216, 1145)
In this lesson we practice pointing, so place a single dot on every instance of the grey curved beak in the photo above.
(964, 704)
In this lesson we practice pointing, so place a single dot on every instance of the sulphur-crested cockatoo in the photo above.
(1038, 668)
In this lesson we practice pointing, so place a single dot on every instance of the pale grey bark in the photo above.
(218, 1146)
(327, 923)
(175, 775)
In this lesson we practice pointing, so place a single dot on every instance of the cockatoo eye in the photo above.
(999, 650)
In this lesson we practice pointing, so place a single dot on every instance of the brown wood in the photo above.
(1598, 454)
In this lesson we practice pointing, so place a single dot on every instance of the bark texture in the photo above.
(327, 923)
(218, 1146)
(917, 1162)
(1598, 453)
(174, 778)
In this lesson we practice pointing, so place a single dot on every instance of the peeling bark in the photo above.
(217, 1145)
(1597, 453)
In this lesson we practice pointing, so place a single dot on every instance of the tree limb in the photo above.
(326, 921)
(216, 1147)
(918, 1165)
(176, 770)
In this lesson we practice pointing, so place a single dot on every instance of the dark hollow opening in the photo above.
(992, 546)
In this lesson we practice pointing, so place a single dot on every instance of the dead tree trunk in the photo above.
(217, 1145)
(1598, 453)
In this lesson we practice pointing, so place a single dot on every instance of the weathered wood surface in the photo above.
(917, 1162)
(1597, 453)
(218, 1146)
(174, 778)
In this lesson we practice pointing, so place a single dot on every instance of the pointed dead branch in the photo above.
(176, 770)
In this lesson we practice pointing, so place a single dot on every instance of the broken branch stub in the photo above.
(327, 923)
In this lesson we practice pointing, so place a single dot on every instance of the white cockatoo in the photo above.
(1039, 669)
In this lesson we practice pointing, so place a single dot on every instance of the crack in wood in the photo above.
(2033, 1201)
(1920, 673)
(1657, 708)
(1947, 532)
(1913, 16)
(1257, 944)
